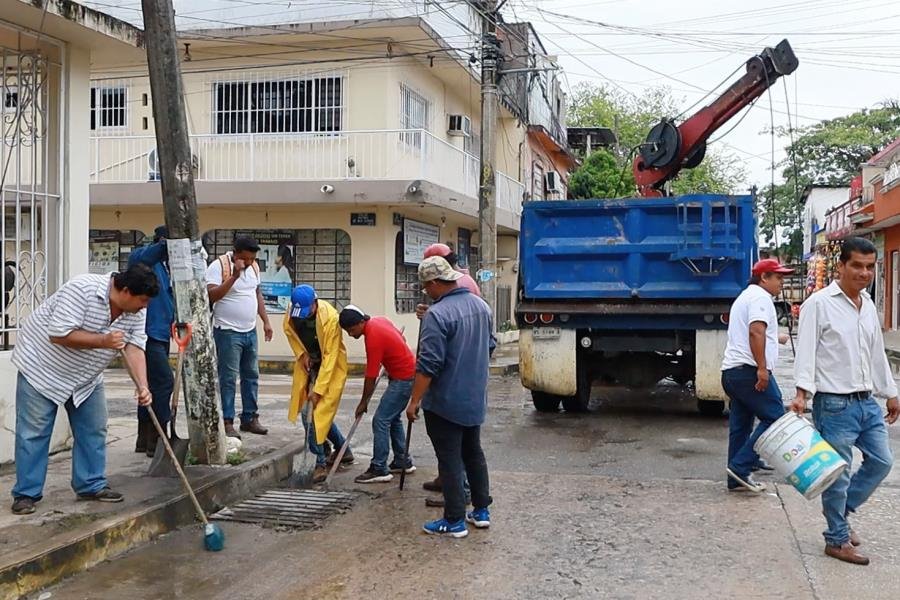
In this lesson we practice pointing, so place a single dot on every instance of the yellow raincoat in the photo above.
(332, 372)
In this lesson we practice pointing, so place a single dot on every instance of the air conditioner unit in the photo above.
(459, 125)
(552, 183)
(153, 165)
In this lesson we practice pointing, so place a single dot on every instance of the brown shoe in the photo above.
(855, 540)
(319, 474)
(346, 459)
(230, 431)
(434, 485)
(846, 553)
(254, 427)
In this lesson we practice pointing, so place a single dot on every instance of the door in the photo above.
(895, 283)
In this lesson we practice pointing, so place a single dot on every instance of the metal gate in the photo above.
(29, 174)
(504, 304)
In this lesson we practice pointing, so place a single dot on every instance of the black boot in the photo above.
(140, 445)
(152, 439)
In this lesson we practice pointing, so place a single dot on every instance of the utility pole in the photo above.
(207, 434)
(487, 191)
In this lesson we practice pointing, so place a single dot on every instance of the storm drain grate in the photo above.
(297, 509)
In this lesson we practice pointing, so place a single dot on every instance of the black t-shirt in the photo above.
(306, 329)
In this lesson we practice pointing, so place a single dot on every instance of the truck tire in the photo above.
(576, 404)
(711, 408)
(544, 402)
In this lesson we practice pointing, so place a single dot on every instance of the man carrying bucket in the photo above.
(841, 363)
(747, 378)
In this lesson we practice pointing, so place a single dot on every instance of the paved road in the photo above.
(627, 501)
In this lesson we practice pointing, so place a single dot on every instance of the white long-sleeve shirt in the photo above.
(840, 349)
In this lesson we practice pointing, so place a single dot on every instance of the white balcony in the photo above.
(400, 154)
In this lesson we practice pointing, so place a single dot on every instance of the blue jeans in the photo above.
(748, 404)
(387, 426)
(846, 421)
(334, 436)
(237, 353)
(161, 380)
(35, 416)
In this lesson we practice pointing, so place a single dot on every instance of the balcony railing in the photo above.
(510, 194)
(405, 154)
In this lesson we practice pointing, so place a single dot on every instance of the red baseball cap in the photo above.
(769, 265)
(442, 250)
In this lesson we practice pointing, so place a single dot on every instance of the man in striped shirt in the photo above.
(61, 353)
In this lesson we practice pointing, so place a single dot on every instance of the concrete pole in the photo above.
(487, 191)
(186, 264)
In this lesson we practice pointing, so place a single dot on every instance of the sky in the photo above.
(849, 52)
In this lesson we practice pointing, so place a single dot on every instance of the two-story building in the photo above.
(46, 49)
(345, 148)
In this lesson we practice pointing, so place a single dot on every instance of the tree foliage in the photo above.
(609, 173)
(829, 152)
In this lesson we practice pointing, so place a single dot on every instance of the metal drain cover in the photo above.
(298, 509)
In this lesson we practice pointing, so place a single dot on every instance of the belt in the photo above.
(865, 395)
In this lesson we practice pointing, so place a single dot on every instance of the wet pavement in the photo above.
(627, 501)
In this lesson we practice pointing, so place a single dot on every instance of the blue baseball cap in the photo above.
(302, 299)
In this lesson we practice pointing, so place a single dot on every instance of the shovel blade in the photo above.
(161, 465)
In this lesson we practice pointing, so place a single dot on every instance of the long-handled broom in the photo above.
(213, 536)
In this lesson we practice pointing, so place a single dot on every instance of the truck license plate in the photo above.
(546, 333)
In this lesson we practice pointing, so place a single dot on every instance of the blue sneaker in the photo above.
(480, 518)
(443, 526)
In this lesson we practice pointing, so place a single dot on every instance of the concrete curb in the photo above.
(31, 569)
(505, 369)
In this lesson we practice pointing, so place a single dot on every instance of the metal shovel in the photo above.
(160, 466)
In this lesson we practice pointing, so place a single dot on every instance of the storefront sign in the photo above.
(416, 238)
(104, 256)
(362, 219)
(891, 175)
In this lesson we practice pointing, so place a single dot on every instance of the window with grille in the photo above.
(11, 97)
(109, 107)
(407, 290)
(110, 249)
(316, 257)
(290, 106)
(415, 113)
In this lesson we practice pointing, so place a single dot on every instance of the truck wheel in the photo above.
(575, 404)
(544, 402)
(711, 408)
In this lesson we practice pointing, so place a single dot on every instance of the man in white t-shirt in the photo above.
(747, 378)
(237, 300)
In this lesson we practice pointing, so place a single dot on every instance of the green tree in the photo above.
(632, 117)
(830, 152)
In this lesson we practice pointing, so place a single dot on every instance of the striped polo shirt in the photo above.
(58, 372)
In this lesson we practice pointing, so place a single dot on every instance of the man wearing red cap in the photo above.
(445, 252)
(747, 378)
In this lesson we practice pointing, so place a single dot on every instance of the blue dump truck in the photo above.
(632, 291)
(629, 292)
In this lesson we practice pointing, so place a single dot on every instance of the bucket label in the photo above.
(815, 464)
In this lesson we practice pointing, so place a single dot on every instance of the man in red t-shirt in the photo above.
(384, 346)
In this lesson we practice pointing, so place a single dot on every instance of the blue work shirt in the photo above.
(161, 310)
(455, 347)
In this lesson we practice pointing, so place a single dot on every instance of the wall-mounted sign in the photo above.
(416, 238)
(362, 219)
(891, 175)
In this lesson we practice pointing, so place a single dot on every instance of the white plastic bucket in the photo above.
(800, 455)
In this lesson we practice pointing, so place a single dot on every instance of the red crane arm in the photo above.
(670, 148)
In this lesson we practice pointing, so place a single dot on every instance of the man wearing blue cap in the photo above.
(315, 336)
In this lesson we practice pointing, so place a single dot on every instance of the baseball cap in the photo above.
(769, 265)
(351, 315)
(437, 250)
(436, 267)
(302, 299)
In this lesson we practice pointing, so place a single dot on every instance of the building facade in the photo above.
(345, 148)
(46, 55)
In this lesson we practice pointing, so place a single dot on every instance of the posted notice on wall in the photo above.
(417, 237)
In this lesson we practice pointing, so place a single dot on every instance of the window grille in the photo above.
(286, 106)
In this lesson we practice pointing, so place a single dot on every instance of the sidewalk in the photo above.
(65, 535)
(504, 362)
